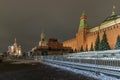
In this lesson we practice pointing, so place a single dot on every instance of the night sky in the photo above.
(26, 19)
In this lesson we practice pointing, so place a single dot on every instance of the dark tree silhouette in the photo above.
(81, 49)
(97, 43)
(91, 48)
(86, 48)
(117, 45)
(104, 45)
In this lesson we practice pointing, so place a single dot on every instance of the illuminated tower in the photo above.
(42, 40)
(15, 46)
(82, 32)
(19, 50)
(15, 43)
(83, 22)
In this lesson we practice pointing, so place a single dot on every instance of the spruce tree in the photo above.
(104, 45)
(91, 48)
(117, 45)
(81, 49)
(97, 43)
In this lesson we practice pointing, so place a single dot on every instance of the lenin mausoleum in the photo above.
(87, 36)
(50, 47)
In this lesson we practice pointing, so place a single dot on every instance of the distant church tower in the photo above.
(82, 31)
(42, 40)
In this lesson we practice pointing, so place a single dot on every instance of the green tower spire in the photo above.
(83, 21)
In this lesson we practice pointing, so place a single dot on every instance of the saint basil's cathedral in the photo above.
(14, 49)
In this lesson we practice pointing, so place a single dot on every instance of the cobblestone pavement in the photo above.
(32, 70)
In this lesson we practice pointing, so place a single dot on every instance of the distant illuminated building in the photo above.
(50, 47)
(42, 42)
(15, 49)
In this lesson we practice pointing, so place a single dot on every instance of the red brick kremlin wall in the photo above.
(82, 38)
(112, 33)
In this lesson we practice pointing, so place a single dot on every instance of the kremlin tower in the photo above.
(82, 31)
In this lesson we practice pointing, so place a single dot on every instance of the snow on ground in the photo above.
(85, 73)
(110, 55)
(92, 65)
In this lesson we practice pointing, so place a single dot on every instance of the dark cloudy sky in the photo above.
(26, 19)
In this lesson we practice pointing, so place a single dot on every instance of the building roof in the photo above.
(111, 20)
(112, 17)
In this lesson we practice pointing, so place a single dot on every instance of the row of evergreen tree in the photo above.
(102, 45)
